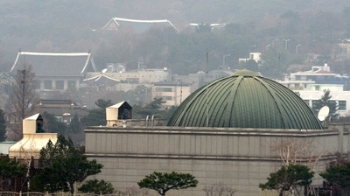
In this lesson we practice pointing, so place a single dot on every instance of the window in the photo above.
(332, 102)
(59, 84)
(160, 89)
(317, 87)
(38, 83)
(59, 118)
(342, 105)
(314, 103)
(47, 84)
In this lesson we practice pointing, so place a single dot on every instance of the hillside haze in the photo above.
(67, 26)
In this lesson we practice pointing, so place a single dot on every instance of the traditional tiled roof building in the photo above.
(56, 71)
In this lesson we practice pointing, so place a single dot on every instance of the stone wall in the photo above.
(240, 158)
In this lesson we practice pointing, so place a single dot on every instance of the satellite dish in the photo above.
(323, 113)
(104, 71)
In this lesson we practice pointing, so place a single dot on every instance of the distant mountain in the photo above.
(64, 25)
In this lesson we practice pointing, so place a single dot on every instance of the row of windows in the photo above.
(167, 98)
(308, 77)
(59, 84)
(159, 89)
(313, 104)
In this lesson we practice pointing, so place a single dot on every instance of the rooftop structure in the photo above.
(232, 102)
(255, 56)
(314, 79)
(138, 25)
(217, 136)
(55, 71)
(172, 93)
(34, 139)
(141, 76)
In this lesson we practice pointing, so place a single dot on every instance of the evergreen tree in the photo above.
(339, 175)
(97, 187)
(163, 182)
(152, 108)
(10, 169)
(288, 178)
(97, 116)
(75, 125)
(52, 125)
(2, 126)
(326, 101)
(63, 165)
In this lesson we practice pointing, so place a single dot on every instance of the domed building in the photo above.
(245, 100)
(230, 133)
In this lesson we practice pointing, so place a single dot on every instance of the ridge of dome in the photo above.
(245, 72)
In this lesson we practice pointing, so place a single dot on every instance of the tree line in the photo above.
(296, 177)
(62, 165)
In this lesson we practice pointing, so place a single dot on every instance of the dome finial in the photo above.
(245, 72)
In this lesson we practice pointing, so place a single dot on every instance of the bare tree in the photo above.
(27, 155)
(294, 152)
(219, 189)
(21, 102)
(130, 191)
(297, 151)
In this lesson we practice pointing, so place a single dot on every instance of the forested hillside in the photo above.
(74, 26)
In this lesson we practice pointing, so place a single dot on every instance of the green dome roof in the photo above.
(245, 100)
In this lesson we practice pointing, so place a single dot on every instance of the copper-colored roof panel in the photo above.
(245, 100)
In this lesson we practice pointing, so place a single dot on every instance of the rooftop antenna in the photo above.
(323, 114)
(181, 93)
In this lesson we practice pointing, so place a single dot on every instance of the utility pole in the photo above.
(286, 44)
(23, 82)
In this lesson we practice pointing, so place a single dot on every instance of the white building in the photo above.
(172, 93)
(256, 56)
(143, 76)
(311, 85)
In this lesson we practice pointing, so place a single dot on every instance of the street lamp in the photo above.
(286, 44)
(23, 82)
(296, 48)
(223, 59)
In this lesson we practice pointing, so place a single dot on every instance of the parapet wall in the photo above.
(239, 158)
